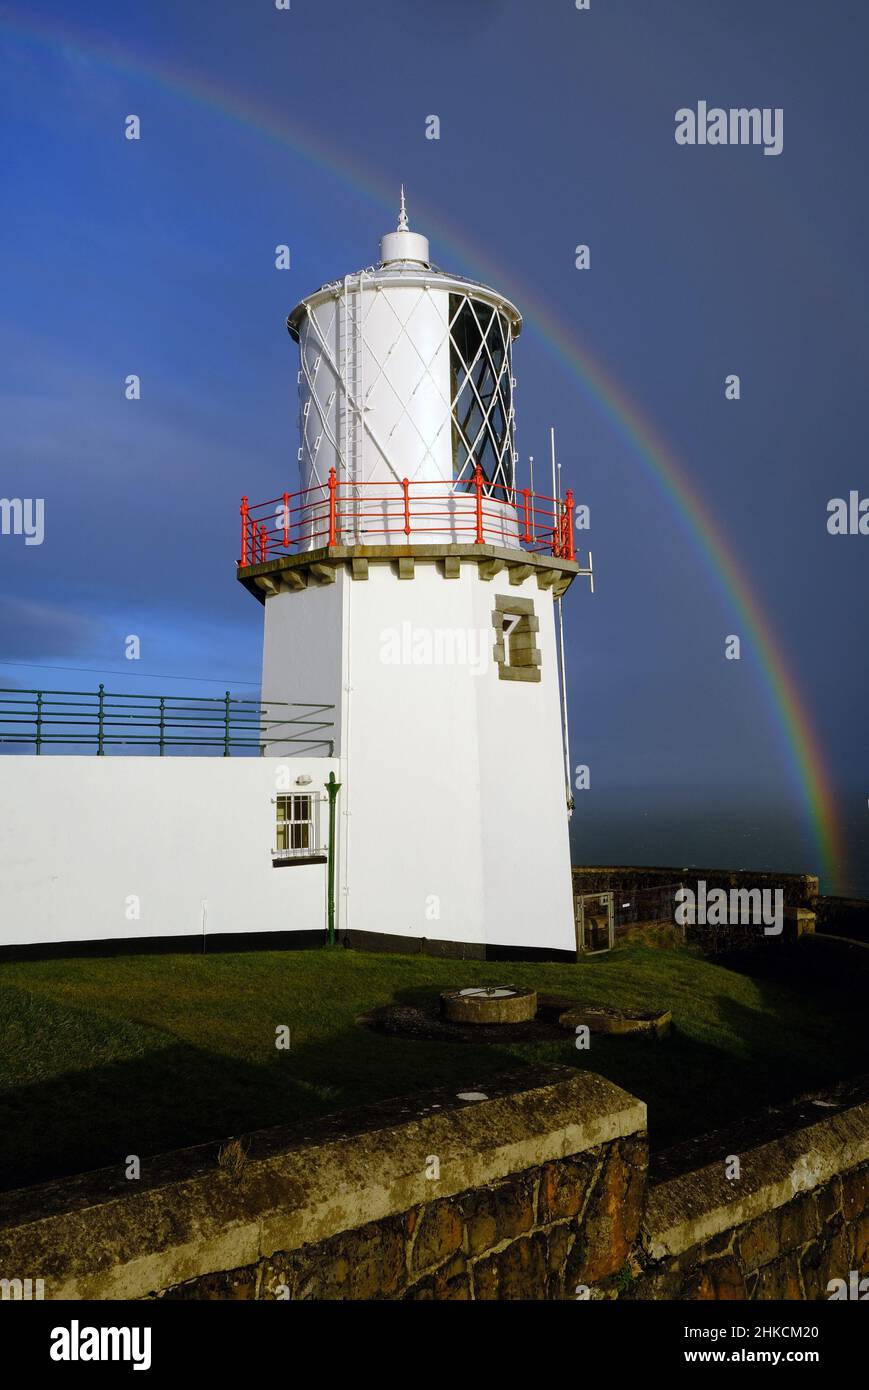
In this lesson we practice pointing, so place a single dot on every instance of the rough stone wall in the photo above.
(503, 1194)
(567, 1230)
(800, 890)
(541, 1193)
(536, 1235)
(790, 1252)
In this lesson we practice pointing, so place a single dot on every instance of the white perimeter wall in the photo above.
(190, 837)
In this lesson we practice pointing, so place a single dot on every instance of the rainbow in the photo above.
(787, 706)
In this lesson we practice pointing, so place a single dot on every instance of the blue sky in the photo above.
(156, 257)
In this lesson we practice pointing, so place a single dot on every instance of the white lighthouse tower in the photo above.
(410, 583)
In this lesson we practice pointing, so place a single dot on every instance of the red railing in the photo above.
(337, 513)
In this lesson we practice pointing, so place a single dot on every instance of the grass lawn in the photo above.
(104, 1058)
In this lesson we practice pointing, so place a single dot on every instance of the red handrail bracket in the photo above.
(333, 521)
(243, 510)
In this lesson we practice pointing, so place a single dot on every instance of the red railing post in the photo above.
(333, 525)
(286, 521)
(243, 511)
(569, 546)
(263, 544)
(478, 484)
(526, 493)
(405, 485)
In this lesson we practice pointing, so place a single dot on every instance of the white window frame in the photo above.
(311, 821)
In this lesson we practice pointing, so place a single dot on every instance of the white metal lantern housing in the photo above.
(406, 376)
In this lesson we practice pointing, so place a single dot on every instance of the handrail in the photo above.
(472, 511)
(104, 719)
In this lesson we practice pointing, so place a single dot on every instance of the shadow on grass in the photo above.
(723, 1060)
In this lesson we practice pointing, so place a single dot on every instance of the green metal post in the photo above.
(100, 734)
(226, 727)
(38, 722)
(332, 788)
(162, 726)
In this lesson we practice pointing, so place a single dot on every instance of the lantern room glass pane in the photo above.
(481, 387)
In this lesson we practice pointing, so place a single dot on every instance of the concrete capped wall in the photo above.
(541, 1192)
(540, 1182)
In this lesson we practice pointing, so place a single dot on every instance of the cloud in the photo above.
(31, 629)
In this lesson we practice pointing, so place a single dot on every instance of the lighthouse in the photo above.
(411, 581)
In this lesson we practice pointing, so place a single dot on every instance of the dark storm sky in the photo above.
(557, 127)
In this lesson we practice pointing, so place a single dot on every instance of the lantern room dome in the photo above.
(405, 260)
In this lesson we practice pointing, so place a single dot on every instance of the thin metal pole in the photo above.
(332, 789)
(556, 519)
(38, 722)
(564, 724)
(552, 451)
(101, 716)
(162, 725)
(226, 726)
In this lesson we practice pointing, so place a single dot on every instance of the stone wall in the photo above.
(517, 1191)
(534, 1235)
(537, 1189)
(791, 1252)
(795, 1217)
(799, 893)
(800, 890)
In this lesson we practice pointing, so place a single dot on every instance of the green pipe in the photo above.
(332, 788)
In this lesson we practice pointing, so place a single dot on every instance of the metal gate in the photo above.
(595, 922)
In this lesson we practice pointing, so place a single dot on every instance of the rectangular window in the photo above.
(296, 824)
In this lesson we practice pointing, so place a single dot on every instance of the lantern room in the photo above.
(406, 403)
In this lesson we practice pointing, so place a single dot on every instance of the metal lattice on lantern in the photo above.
(406, 377)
